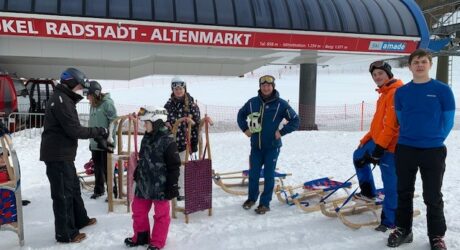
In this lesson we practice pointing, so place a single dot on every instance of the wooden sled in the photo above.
(11, 218)
(241, 178)
(197, 173)
(358, 207)
(309, 199)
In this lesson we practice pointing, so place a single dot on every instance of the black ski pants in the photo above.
(431, 162)
(68, 207)
(100, 170)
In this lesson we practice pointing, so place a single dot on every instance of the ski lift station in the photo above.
(125, 40)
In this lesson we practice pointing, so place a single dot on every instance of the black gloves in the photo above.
(103, 144)
(194, 148)
(378, 152)
(172, 191)
(3, 129)
(374, 158)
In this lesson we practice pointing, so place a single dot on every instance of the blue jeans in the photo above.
(389, 179)
(268, 159)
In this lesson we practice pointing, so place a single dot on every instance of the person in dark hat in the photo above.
(101, 114)
(58, 149)
(378, 146)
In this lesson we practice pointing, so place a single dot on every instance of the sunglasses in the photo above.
(267, 79)
(376, 65)
(177, 84)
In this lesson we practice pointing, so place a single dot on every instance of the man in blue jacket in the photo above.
(425, 109)
(259, 119)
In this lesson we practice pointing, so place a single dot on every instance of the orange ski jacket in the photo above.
(384, 127)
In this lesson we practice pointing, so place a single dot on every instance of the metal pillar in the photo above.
(307, 96)
(442, 70)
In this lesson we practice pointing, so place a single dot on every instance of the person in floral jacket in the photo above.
(181, 104)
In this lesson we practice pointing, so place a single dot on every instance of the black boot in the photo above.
(399, 236)
(437, 243)
(152, 248)
(142, 239)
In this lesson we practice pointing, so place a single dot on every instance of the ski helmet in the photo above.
(152, 114)
(95, 88)
(72, 77)
(178, 82)
(381, 65)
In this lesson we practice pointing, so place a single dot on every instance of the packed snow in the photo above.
(305, 154)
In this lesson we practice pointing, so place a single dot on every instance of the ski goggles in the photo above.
(266, 79)
(177, 84)
(143, 111)
(376, 65)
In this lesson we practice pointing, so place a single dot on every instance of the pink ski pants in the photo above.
(161, 220)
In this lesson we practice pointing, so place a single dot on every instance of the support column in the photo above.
(442, 70)
(307, 96)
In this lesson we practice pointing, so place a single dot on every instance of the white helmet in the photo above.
(254, 121)
(153, 114)
(178, 82)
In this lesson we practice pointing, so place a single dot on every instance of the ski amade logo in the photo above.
(388, 46)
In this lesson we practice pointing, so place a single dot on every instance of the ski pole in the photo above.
(337, 188)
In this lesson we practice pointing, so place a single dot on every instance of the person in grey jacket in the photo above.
(101, 114)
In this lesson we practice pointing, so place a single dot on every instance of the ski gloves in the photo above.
(102, 142)
(172, 191)
(374, 158)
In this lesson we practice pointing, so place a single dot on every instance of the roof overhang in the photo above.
(42, 46)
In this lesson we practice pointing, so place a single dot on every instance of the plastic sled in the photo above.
(309, 199)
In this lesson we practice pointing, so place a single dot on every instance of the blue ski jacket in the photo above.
(272, 111)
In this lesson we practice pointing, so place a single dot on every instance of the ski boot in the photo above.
(437, 243)
(142, 239)
(399, 236)
(248, 204)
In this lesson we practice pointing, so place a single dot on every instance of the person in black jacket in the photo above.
(58, 149)
(156, 177)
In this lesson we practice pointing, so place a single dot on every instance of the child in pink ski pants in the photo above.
(156, 178)
(161, 218)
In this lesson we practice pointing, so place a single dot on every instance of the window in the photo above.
(164, 10)
(20, 5)
(142, 9)
(71, 7)
(2, 4)
(46, 6)
(205, 11)
(97, 8)
(119, 8)
(185, 11)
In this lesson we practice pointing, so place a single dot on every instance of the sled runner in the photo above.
(197, 174)
(11, 218)
(359, 206)
(241, 179)
(121, 156)
(309, 199)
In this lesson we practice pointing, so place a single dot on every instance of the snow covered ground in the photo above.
(307, 155)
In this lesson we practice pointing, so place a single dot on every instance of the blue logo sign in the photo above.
(388, 46)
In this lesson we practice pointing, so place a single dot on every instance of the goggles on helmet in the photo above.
(177, 84)
(376, 65)
(267, 79)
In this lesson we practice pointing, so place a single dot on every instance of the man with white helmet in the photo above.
(156, 178)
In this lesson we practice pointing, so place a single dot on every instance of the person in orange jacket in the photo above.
(377, 147)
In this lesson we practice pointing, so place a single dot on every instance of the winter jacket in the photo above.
(177, 109)
(158, 166)
(62, 127)
(384, 127)
(102, 116)
(273, 111)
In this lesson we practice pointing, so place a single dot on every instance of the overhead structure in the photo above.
(121, 39)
